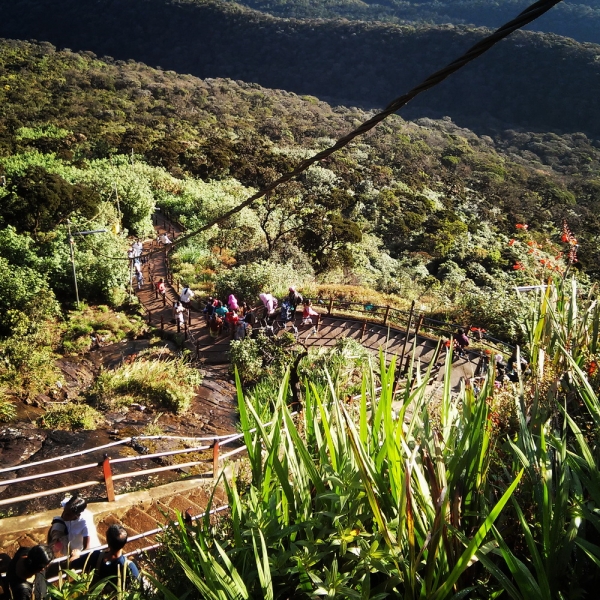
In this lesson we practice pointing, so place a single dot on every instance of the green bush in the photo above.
(248, 281)
(163, 382)
(72, 416)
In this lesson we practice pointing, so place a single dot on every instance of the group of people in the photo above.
(135, 256)
(70, 535)
(239, 318)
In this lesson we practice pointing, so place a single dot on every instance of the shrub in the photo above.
(72, 416)
(164, 382)
(248, 281)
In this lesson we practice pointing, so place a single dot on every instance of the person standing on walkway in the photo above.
(161, 288)
(461, 341)
(179, 313)
(186, 296)
(111, 564)
(25, 573)
(74, 530)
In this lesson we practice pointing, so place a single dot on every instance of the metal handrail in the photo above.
(226, 440)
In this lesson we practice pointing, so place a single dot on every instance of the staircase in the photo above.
(138, 512)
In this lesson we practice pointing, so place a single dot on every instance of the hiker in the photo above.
(74, 530)
(232, 303)
(308, 313)
(140, 278)
(209, 307)
(220, 310)
(161, 288)
(240, 330)
(186, 296)
(25, 573)
(110, 563)
(179, 313)
(215, 326)
(294, 298)
(270, 303)
(249, 316)
(165, 239)
(137, 248)
(461, 341)
(231, 319)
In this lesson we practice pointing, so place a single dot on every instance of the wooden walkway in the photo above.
(331, 328)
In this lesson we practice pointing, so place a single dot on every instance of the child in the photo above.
(308, 313)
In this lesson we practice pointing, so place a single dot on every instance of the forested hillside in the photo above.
(578, 19)
(535, 81)
(425, 208)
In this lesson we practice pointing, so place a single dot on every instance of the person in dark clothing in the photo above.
(25, 573)
(461, 341)
(250, 318)
(294, 298)
(110, 563)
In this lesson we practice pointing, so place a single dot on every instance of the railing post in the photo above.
(156, 292)
(197, 349)
(178, 325)
(108, 481)
(419, 324)
(185, 331)
(149, 317)
(363, 331)
(330, 307)
(410, 316)
(164, 299)
(318, 325)
(189, 317)
(216, 459)
(385, 317)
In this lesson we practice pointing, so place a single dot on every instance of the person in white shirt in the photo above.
(165, 239)
(186, 296)
(74, 530)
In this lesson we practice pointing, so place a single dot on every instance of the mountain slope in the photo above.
(579, 20)
(540, 82)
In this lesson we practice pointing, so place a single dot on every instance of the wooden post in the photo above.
(197, 349)
(178, 325)
(189, 317)
(385, 317)
(419, 324)
(330, 307)
(108, 481)
(149, 318)
(216, 459)
(363, 331)
(410, 316)
(318, 325)
(156, 291)
(164, 299)
(185, 331)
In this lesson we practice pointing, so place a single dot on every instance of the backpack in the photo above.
(62, 538)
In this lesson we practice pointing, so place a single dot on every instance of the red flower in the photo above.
(564, 237)
(518, 266)
(593, 368)
(521, 226)
(511, 242)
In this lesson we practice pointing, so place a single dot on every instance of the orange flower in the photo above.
(518, 266)
(521, 226)
(564, 237)
(511, 242)
(593, 368)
